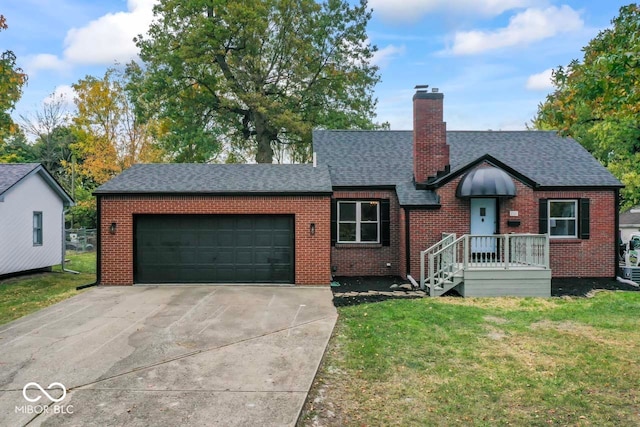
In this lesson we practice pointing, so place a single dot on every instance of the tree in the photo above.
(257, 74)
(597, 101)
(12, 80)
(109, 136)
(49, 127)
(17, 149)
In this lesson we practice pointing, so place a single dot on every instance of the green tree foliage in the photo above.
(597, 100)
(12, 79)
(17, 149)
(248, 76)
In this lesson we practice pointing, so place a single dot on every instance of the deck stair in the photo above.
(507, 264)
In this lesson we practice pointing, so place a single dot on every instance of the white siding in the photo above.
(17, 252)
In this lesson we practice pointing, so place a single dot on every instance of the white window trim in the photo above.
(549, 218)
(358, 221)
(33, 235)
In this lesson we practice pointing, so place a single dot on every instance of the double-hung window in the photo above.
(358, 222)
(563, 218)
(37, 228)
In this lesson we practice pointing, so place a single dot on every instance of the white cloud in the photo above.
(103, 41)
(64, 93)
(385, 55)
(540, 81)
(44, 61)
(525, 27)
(110, 37)
(413, 10)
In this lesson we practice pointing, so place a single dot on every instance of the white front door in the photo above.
(483, 223)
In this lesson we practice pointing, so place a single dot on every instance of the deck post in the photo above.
(547, 264)
(422, 269)
(432, 284)
(507, 250)
(466, 251)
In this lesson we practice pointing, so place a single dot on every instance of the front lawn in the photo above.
(482, 362)
(22, 295)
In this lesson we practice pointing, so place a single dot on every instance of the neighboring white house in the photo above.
(629, 223)
(32, 205)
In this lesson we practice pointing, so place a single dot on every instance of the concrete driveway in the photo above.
(166, 355)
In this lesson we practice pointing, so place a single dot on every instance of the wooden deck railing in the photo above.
(441, 262)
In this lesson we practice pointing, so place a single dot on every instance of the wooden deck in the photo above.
(511, 265)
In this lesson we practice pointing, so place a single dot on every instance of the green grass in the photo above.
(20, 296)
(483, 362)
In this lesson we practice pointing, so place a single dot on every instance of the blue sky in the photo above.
(491, 58)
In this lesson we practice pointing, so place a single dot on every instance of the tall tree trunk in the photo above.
(264, 154)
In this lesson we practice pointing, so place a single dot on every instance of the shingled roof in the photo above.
(219, 179)
(11, 174)
(372, 158)
(385, 159)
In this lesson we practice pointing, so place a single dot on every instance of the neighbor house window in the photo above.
(359, 222)
(563, 218)
(37, 228)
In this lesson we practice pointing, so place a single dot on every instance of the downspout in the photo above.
(407, 242)
(64, 245)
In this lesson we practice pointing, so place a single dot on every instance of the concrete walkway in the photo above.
(167, 355)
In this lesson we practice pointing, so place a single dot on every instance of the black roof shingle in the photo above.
(12, 173)
(218, 179)
(385, 158)
(369, 158)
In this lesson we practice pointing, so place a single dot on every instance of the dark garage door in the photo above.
(214, 249)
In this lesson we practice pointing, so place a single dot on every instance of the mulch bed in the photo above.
(359, 290)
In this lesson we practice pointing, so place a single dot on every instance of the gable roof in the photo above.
(370, 158)
(192, 178)
(11, 174)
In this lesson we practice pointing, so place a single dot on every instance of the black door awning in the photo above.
(486, 182)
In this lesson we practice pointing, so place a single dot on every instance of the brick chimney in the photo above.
(430, 149)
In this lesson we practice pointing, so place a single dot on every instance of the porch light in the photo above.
(112, 228)
(312, 228)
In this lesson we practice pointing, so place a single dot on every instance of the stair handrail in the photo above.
(446, 239)
(441, 267)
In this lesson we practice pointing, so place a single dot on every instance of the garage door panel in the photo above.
(225, 238)
(214, 249)
(244, 238)
(263, 238)
(244, 257)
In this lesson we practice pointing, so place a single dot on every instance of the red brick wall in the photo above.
(369, 259)
(430, 149)
(312, 253)
(593, 257)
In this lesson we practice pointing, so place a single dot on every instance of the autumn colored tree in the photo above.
(249, 76)
(109, 136)
(12, 80)
(597, 100)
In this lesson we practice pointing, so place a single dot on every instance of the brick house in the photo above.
(521, 206)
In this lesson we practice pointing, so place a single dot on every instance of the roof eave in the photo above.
(579, 187)
(212, 193)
